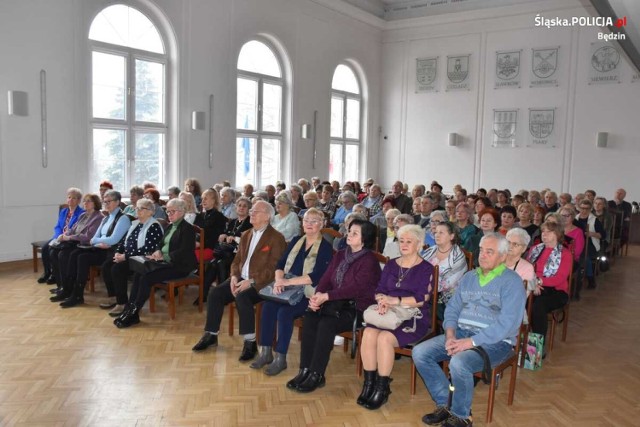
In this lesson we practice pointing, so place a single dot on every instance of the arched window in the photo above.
(129, 89)
(259, 115)
(346, 114)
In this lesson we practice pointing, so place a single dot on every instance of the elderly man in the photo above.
(302, 182)
(228, 206)
(373, 202)
(551, 201)
(618, 204)
(403, 202)
(427, 206)
(486, 312)
(252, 269)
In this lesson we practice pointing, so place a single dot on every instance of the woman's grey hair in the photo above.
(296, 187)
(75, 192)
(270, 210)
(172, 190)
(406, 218)
(245, 200)
(147, 204)
(557, 217)
(503, 244)
(521, 234)
(284, 197)
(261, 194)
(467, 207)
(441, 214)
(137, 190)
(115, 195)
(190, 201)
(231, 191)
(354, 215)
(392, 213)
(412, 229)
(178, 204)
(349, 195)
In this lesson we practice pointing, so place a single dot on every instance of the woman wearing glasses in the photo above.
(303, 263)
(176, 253)
(464, 222)
(143, 238)
(436, 218)
(519, 239)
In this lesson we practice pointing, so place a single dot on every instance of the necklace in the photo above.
(443, 252)
(403, 273)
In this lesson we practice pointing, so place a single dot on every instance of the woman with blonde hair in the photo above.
(190, 201)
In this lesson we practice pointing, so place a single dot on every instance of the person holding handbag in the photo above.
(345, 290)
(405, 282)
(303, 264)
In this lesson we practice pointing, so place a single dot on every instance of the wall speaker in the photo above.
(18, 104)
(305, 131)
(453, 139)
(197, 120)
(603, 137)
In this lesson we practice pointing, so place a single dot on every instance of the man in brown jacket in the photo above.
(252, 269)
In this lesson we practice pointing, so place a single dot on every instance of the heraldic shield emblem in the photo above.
(504, 124)
(457, 68)
(426, 71)
(545, 62)
(508, 65)
(541, 123)
(605, 59)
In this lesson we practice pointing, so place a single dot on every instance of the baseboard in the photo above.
(15, 256)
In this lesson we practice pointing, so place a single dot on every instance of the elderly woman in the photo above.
(326, 203)
(387, 233)
(190, 202)
(135, 193)
(67, 217)
(285, 221)
(436, 218)
(508, 216)
(143, 238)
(380, 219)
(175, 254)
(296, 197)
(341, 243)
(552, 263)
(192, 186)
(406, 282)
(212, 221)
(539, 214)
(373, 202)
(600, 210)
(392, 247)
(79, 234)
(464, 222)
(348, 200)
(104, 186)
(573, 235)
(481, 204)
(228, 198)
(450, 208)
(310, 201)
(594, 232)
(153, 195)
(525, 216)
(489, 223)
(448, 255)
(351, 276)
(303, 264)
(173, 192)
(519, 240)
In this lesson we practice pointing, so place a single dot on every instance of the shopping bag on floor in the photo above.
(534, 349)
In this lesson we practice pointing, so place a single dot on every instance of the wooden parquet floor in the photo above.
(74, 368)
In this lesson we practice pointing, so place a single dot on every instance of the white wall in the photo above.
(417, 124)
(51, 35)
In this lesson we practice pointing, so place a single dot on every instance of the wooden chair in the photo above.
(94, 271)
(37, 248)
(258, 310)
(355, 335)
(469, 256)
(406, 350)
(180, 284)
(616, 241)
(560, 315)
(330, 234)
(497, 371)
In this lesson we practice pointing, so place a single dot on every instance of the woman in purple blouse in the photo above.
(406, 282)
(345, 290)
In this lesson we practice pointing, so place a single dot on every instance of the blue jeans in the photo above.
(284, 315)
(462, 366)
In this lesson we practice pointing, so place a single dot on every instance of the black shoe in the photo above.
(312, 382)
(107, 305)
(44, 277)
(55, 290)
(367, 388)
(128, 318)
(58, 297)
(207, 340)
(454, 421)
(52, 280)
(438, 416)
(249, 351)
(72, 301)
(380, 394)
(298, 379)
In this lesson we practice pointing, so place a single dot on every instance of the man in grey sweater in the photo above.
(486, 311)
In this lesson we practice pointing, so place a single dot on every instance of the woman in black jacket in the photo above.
(176, 257)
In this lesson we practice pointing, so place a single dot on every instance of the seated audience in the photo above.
(310, 199)
(525, 217)
(176, 251)
(391, 247)
(481, 204)
(192, 186)
(417, 209)
(464, 222)
(601, 212)
(190, 202)
(348, 200)
(247, 191)
(212, 221)
(508, 215)
(173, 192)
(387, 233)
(450, 208)
(285, 220)
(297, 197)
(345, 290)
(228, 198)
(519, 240)
(436, 218)
(448, 255)
(252, 268)
(326, 202)
(135, 193)
(105, 186)
(302, 264)
(539, 214)
(486, 312)
(373, 202)
(594, 232)
(403, 202)
(551, 201)
(153, 195)
(489, 223)
(426, 208)
(406, 282)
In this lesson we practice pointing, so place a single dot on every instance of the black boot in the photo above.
(45, 276)
(129, 318)
(76, 298)
(59, 296)
(367, 387)
(298, 379)
(127, 308)
(380, 394)
(313, 381)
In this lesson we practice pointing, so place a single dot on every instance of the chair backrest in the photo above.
(434, 296)
(330, 232)
(469, 256)
(163, 222)
(381, 258)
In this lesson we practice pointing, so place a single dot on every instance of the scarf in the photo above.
(553, 262)
(349, 258)
(142, 235)
(309, 261)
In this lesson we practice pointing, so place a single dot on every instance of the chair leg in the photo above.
(172, 302)
(152, 300)
(232, 308)
(413, 378)
(35, 259)
(492, 395)
(566, 324)
(180, 294)
(201, 297)
(512, 382)
(258, 317)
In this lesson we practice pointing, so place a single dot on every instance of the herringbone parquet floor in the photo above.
(74, 368)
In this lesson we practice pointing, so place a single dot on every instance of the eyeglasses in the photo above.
(145, 209)
(515, 244)
(436, 222)
(108, 201)
(585, 207)
(311, 221)
(172, 212)
(566, 215)
(253, 212)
